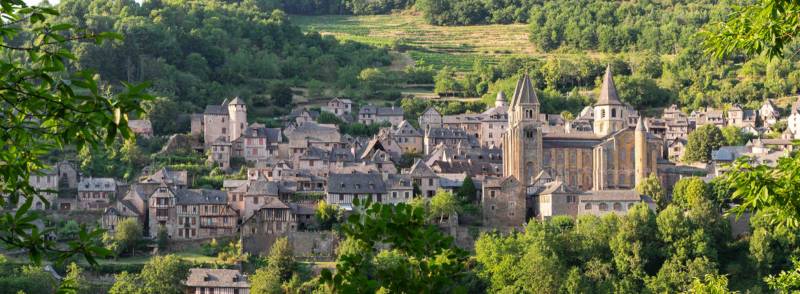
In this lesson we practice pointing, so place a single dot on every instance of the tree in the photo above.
(429, 262)
(772, 190)
(127, 235)
(635, 246)
(467, 193)
(281, 258)
(43, 106)
(701, 142)
(162, 238)
(761, 27)
(327, 214)
(735, 136)
(266, 280)
(444, 204)
(281, 95)
(73, 281)
(164, 275)
(710, 284)
(651, 186)
(126, 283)
(688, 191)
(233, 253)
(445, 82)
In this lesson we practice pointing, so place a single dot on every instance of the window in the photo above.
(194, 222)
(613, 112)
(406, 194)
(341, 197)
(394, 194)
(491, 193)
(588, 206)
(529, 134)
(430, 182)
(617, 206)
(603, 207)
(224, 130)
(255, 200)
(602, 113)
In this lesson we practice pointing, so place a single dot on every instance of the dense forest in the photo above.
(200, 52)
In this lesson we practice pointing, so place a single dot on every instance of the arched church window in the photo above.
(617, 206)
(603, 207)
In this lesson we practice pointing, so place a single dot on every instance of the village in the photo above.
(518, 163)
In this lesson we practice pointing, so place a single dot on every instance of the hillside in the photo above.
(454, 46)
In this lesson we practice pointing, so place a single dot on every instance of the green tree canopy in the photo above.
(701, 142)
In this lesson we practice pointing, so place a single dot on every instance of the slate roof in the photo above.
(608, 91)
(236, 101)
(200, 196)
(97, 185)
(447, 133)
(216, 278)
(216, 109)
(273, 135)
(421, 170)
(263, 187)
(524, 92)
(381, 111)
(356, 184)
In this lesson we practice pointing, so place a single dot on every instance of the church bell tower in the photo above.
(522, 142)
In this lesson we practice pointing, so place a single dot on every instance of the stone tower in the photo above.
(640, 152)
(609, 115)
(500, 101)
(237, 111)
(522, 142)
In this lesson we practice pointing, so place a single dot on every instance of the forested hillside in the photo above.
(200, 52)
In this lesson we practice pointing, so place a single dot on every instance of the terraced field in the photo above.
(455, 46)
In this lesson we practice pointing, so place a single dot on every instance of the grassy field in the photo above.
(455, 46)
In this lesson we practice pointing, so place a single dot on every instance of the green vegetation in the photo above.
(161, 274)
(420, 259)
(200, 52)
(651, 187)
(44, 108)
(701, 142)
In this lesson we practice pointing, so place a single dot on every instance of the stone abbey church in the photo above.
(570, 172)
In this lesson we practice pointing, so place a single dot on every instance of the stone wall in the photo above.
(318, 246)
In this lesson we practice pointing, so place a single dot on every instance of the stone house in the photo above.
(216, 281)
(339, 107)
(424, 178)
(191, 213)
(408, 138)
(257, 143)
(449, 137)
(599, 203)
(431, 118)
(220, 153)
(374, 115)
(793, 122)
(96, 193)
(741, 118)
(768, 113)
(141, 127)
(343, 188)
(227, 120)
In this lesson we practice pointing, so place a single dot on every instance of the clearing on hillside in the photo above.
(455, 46)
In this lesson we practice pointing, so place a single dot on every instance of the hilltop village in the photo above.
(520, 164)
